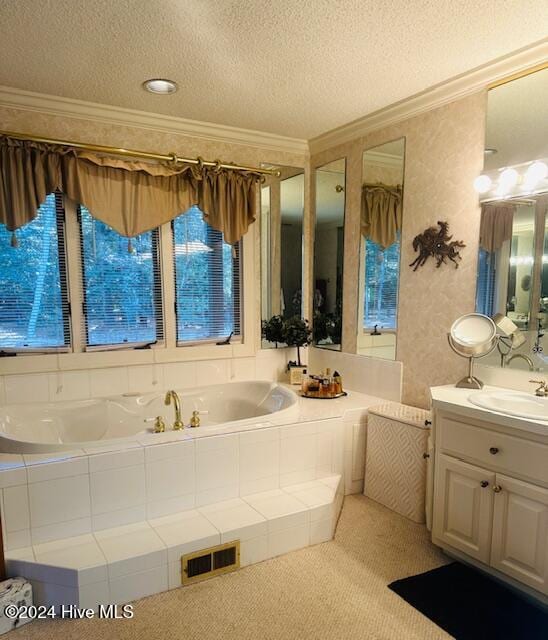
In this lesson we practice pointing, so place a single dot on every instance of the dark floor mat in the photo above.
(469, 605)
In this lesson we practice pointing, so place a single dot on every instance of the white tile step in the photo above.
(124, 563)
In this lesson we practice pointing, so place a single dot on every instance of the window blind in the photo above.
(382, 270)
(122, 296)
(207, 280)
(485, 286)
(34, 307)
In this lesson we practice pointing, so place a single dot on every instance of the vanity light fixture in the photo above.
(482, 183)
(508, 179)
(536, 172)
(160, 86)
(508, 182)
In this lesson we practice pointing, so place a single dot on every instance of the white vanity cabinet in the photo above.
(491, 496)
(520, 532)
(463, 507)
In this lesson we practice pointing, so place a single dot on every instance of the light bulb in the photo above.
(160, 86)
(508, 179)
(535, 173)
(482, 183)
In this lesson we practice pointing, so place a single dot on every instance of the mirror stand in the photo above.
(470, 381)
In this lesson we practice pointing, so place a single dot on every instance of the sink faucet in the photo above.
(172, 396)
(524, 357)
(542, 390)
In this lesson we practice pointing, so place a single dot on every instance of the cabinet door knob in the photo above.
(425, 455)
(484, 484)
(427, 423)
(497, 488)
(493, 450)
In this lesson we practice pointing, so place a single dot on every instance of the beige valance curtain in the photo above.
(381, 213)
(496, 224)
(130, 196)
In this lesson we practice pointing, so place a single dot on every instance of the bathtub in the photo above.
(97, 423)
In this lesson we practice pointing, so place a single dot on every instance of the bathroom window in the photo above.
(486, 282)
(382, 270)
(34, 310)
(122, 301)
(207, 280)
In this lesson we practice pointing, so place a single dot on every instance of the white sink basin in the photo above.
(512, 403)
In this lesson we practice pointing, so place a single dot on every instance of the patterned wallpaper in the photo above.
(139, 137)
(444, 153)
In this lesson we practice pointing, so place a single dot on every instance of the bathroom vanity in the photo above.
(490, 485)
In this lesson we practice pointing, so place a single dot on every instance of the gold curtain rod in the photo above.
(172, 157)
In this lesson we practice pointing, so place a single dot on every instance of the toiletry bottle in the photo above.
(326, 384)
(337, 382)
(313, 386)
(305, 383)
(330, 387)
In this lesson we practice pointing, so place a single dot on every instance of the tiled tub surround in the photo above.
(59, 385)
(373, 376)
(42, 427)
(104, 504)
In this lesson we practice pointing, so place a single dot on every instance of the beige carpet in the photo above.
(333, 591)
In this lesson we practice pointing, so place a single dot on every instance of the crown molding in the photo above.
(11, 97)
(478, 79)
(384, 159)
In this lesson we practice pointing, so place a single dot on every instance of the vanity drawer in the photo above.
(493, 449)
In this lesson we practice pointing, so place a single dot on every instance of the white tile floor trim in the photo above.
(124, 563)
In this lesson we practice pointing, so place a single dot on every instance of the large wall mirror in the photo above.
(512, 277)
(282, 208)
(381, 222)
(329, 254)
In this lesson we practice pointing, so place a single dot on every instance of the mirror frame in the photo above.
(361, 253)
(316, 170)
(266, 281)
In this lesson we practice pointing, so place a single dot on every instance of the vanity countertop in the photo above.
(450, 398)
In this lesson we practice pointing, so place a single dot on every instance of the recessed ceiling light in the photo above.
(160, 86)
(489, 151)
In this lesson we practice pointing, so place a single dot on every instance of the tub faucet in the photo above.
(172, 396)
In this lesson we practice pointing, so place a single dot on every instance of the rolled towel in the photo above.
(14, 591)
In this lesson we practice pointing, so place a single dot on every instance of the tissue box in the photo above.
(14, 591)
(296, 374)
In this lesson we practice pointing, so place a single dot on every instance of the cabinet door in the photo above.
(463, 507)
(520, 532)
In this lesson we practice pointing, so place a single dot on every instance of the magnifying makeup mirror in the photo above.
(472, 336)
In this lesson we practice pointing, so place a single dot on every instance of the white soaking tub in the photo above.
(56, 426)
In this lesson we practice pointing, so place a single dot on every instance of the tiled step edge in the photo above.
(118, 565)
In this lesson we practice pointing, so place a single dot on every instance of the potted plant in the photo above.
(327, 328)
(296, 333)
(272, 330)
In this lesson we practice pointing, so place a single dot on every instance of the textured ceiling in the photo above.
(291, 67)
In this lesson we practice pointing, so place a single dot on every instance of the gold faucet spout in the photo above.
(171, 396)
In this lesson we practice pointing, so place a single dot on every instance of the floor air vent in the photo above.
(207, 563)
